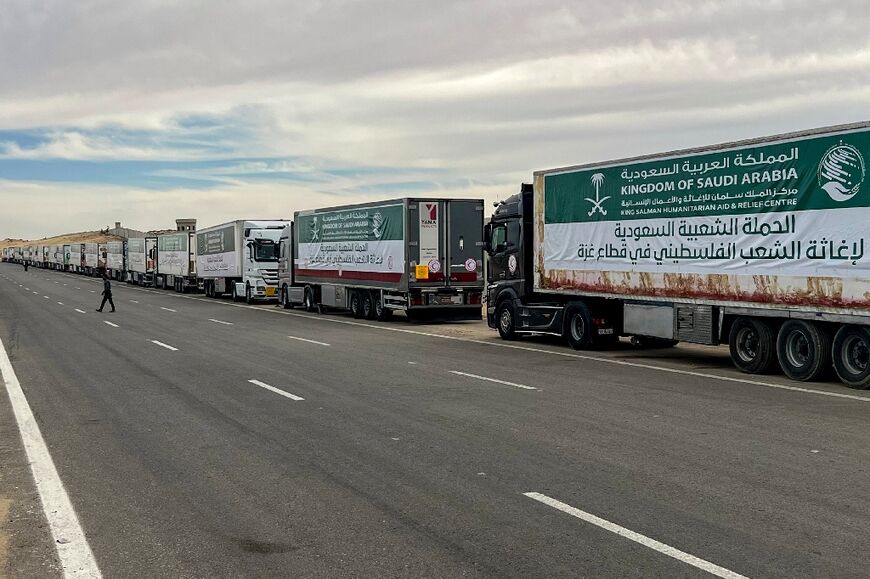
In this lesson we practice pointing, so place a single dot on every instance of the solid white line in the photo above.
(711, 568)
(167, 309)
(276, 390)
(220, 322)
(524, 387)
(307, 340)
(167, 346)
(75, 554)
(108, 323)
(80, 311)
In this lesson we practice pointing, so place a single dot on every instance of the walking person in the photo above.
(25, 266)
(107, 293)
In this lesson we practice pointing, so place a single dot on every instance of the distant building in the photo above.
(186, 224)
(125, 232)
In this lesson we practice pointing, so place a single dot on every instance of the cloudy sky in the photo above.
(155, 109)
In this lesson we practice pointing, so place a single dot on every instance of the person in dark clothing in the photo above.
(25, 266)
(107, 293)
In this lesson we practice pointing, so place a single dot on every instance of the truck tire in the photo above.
(355, 304)
(506, 320)
(804, 350)
(382, 314)
(368, 306)
(234, 292)
(285, 299)
(579, 329)
(308, 300)
(752, 345)
(851, 353)
(249, 296)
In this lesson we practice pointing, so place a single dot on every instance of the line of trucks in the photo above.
(763, 245)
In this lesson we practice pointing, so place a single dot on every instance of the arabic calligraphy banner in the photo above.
(366, 239)
(799, 207)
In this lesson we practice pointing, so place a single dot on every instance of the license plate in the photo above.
(449, 300)
(270, 291)
(605, 331)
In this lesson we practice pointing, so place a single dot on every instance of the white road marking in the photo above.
(78, 288)
(167, 346)
(220, 322)
(92, 291)
(46, 297)
(307, 340)
(134, 301)
(500, 344)
(75, 554)
(80, 311)
(167, 309)
(108, 323)
(60, 303)
(276, 390)
(35, 293)
(497, 381)
(711, 568)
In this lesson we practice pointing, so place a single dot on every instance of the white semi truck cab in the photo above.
(240, 258)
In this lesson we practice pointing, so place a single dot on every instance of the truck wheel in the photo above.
(851, 353)
(381, 313)
(804, 350)
(308, 300)
(506, 321)
(368, 306)
(355, 304)
(234, 292)
(578, 326)
(285, 298)
(752, 346)
(249, 296)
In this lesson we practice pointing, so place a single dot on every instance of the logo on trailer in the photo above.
(377, 225)
(432, 208)
(314, 229)
(434, 265)
(470, 264)
(597, 181)
(512, 263)
(841, 172)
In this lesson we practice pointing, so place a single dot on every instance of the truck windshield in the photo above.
(265, 250)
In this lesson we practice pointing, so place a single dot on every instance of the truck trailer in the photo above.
(92, 259)
(176, 261)
(141, 260)
(77, 257)
(419, 256)
(56, 257)
(239, 258)
(116, 260)
(761, 244)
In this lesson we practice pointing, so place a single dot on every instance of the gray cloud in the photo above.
(486, 91)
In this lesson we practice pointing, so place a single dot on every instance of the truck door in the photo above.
(426, 239)
(464, 241)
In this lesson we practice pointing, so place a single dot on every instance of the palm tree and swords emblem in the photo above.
(597, 181)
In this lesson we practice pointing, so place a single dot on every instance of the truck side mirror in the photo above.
(487, 238)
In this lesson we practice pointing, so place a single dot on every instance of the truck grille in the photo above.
(270, 276)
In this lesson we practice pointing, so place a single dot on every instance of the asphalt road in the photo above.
(412, 448)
